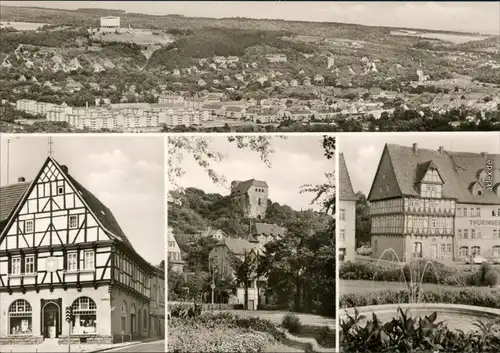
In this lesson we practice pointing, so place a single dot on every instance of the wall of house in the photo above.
(118, 296)
(348, 226)
(257, 202)
(380, 243)
(482, 229)
(100, 296)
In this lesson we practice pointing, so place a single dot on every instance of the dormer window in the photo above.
(431, 190)
(477, 189)
(481, 176)
(432, 176)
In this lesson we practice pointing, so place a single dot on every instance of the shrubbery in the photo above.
(291, 323)
(405, 334)
(486, 275)
(222, 332)
(464, 297)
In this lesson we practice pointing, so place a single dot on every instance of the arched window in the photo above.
(145, 319)
(84, 315)
(124, 316)
(20, 317)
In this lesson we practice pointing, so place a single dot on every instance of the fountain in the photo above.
(456, 317)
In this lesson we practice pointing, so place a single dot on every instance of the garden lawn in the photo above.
(277, 317)
(363, 286)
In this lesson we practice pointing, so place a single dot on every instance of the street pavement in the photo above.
(50, 347)
(156, 346)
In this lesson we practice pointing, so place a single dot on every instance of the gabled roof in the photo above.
(458, 170)
(346, 191)
(243, 186)
(267, 229)
(237, 246)
(423, 168)
(9, 197)
(103, 215)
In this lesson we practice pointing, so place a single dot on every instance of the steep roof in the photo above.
(101, 212)
(9, 197)
(242, 187)
(237, 246)
(457, 169)
(267, 229)
(346, 191)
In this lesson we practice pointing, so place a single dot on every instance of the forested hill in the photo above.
(196, 210)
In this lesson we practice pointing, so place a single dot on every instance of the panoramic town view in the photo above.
(166, 67)
(251, 253)
(75, 273)
(419, 242)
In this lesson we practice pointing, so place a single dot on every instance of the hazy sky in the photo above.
(297, 160)
(362, 152)
(126, 174)
(465, 16)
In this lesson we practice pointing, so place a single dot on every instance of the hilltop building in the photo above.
(61, 246)
(252, 195)
(347, 214)
(110, 24)
(435, 204)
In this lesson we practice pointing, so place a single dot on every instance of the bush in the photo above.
(464, 297)
(435, 272)
(291, 323)
(405, 334)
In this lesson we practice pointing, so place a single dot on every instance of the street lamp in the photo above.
(8, 155)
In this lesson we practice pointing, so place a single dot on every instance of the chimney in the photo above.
(21, 179)
(441, 149)
(415, 149)
(484, 154)
(64, 169)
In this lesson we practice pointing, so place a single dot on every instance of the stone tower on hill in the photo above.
(252, 195)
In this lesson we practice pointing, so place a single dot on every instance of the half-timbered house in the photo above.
(59, 247)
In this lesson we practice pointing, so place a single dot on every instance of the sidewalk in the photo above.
(55, 348)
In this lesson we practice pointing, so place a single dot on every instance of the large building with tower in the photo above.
(435, 204)
(252, 196)
(346, 214)
(60, 246)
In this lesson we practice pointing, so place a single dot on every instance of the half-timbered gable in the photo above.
(53, 237)
(61, 246)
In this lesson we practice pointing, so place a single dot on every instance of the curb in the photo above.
(304, 343)
(124, 346)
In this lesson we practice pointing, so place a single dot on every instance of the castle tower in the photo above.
(253, 194)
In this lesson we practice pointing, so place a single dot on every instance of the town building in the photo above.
(60, 246)
(347, 214)
(263, 233)
(252, 196)
(435, 204)
(276, 58)
(222, 258)
(174, 254)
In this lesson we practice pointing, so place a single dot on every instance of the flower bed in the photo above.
(465, 296)
(485, 275)
(404, 334)
(222, 332)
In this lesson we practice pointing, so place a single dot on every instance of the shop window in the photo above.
(20, 318)
(85, 316)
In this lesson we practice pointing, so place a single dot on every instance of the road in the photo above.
(355, 287)
(156, 346)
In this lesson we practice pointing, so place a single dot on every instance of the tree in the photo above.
(362, 220)
(245, 271)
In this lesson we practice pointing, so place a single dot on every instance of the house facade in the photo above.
(61, 247)
(174, 254)
(346, 214)
(435, 204)
(221, 257)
